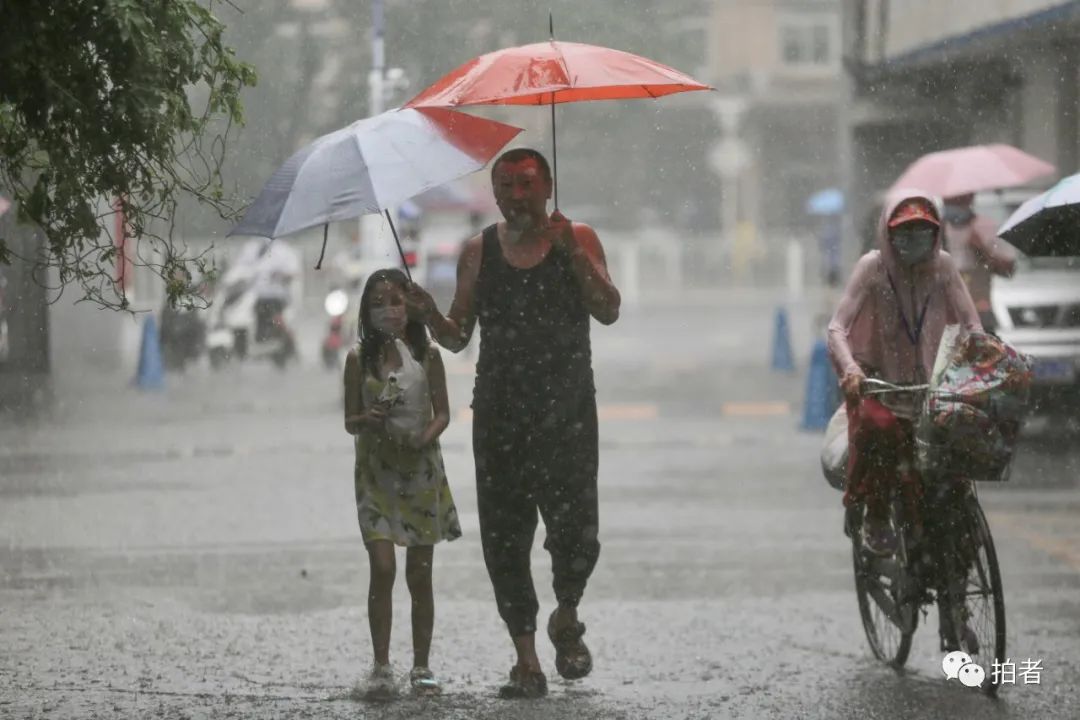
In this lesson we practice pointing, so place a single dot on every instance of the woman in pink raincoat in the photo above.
(888, 325)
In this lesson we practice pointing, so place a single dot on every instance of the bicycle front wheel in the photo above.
(979, 616)
(888, 616)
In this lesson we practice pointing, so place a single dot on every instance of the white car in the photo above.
(1038, 313)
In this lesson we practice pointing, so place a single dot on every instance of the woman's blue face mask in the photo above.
(913, 245)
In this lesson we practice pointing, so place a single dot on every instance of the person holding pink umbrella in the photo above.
(956, 175)
(972, 241)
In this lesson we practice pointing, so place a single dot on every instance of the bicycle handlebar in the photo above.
(873, 386)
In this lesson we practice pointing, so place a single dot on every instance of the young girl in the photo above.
(396, 407)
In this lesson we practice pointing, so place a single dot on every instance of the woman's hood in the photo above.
(894, 200)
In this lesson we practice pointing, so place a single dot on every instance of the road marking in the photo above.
(1065, 550)
(608, 411)
(756, 409)
(676, 365)
(628, 411)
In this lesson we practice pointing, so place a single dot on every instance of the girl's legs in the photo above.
(380, 597)
(418, 562)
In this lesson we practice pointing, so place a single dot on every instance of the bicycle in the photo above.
(945, 554)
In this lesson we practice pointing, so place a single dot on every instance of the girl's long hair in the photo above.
(371, 340)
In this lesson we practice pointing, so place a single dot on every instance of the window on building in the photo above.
(807, 42)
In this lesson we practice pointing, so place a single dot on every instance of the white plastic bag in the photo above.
(834, 451)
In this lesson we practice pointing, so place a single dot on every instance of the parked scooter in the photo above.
(183, 336)
(183, 333)
(244, 325)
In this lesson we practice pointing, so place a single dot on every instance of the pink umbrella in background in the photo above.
(967, 170)
(4, 204)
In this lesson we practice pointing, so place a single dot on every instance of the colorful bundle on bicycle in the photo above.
(974, 413)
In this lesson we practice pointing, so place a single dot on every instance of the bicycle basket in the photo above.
(972, 417)
(956, 439)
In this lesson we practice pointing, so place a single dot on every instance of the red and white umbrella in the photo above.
(371, 166)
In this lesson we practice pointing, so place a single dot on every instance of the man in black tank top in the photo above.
(532, 282)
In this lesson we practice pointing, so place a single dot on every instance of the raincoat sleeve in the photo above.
(999, 255)
(963, 306)
(848, 311)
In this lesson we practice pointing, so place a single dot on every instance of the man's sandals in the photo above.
(572, 657)
(524, 685)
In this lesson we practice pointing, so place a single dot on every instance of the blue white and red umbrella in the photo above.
(371, 166)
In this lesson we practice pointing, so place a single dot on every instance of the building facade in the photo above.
(927, 75)
(777, 67)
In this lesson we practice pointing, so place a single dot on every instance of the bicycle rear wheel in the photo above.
(889, 616)
(977, 598)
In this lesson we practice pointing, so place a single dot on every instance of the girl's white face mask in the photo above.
(389, 320)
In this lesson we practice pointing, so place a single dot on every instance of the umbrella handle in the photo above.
(322, 253)
(404, 263)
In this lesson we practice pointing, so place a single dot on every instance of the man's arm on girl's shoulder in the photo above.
(455, 330)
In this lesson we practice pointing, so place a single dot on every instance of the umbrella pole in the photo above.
(554, 154)
(554, 146)
(404, 263)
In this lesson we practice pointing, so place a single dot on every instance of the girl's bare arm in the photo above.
(357, 417)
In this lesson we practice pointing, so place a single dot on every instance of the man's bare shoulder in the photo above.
(473, 247)
(584, 228)
(469, 260)
(586, 235)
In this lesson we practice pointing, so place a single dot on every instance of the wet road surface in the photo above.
(195, 553)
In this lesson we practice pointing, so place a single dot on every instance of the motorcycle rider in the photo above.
(274, 267)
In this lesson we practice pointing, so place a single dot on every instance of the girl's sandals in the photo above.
(380, 685)
(572, 658)
(423, 682)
